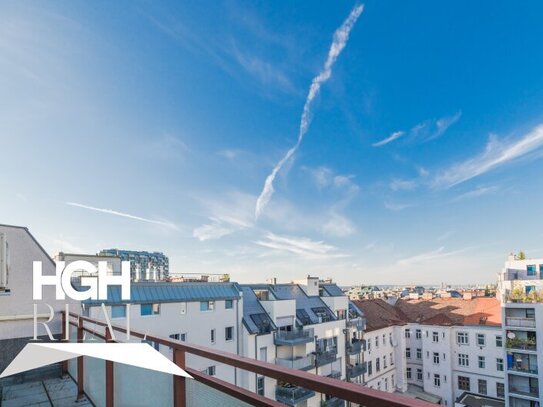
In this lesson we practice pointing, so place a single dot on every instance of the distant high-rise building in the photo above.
(144, 266)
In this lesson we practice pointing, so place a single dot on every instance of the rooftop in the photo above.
(438, 311)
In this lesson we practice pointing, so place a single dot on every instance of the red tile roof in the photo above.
(438, 311)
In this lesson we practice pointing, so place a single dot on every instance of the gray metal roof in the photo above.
(303, 301)
(332, 290)
(252, 308)
(170, 292)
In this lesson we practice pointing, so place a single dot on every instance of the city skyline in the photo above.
(154, 127)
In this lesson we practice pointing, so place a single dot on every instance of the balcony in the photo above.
(522, 363)
(299, 363)
(336, 374)
(356, 370)
(357, 323)
(292, 395)
(520, 322)
(325, 357)
(524, 390)
(295, 337)
(333, 402)
(521, 344)
(106, 383)
(355, 346)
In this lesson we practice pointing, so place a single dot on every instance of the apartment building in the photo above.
(18, 250)
(207, 314)
(308, 325)
(451, 347)
(144, 266)
(520, 290)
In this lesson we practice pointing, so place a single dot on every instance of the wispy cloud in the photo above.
(394, 206)
(124, 215)
(496, 153)
(300, 246)
(428, 256)
(402, 184)
(394, 136)
(477, 192)
(219, 227)
(338, 226)
(425, 131)
(340, 40)
(446, 235)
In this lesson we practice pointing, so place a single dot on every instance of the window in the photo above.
(384, 361)
(376, 341)
(377, 365)
(482, 362)
(419, 375)
(531, 269)
(207, 305)
(437, 380)
(210, 371)
(418, 333)
(260, 385)
(482, 386)
(264, 354)
(419, 353)
(500, 390)
(392, 380)
(499, 364)
(155, 345)
(462, 338)
(408, 353)
(369, 345)
(481, 341)
(435, 337)
(407, 334)
(463, 383)
(384, 340)
(149, 309)
(463, 359)
(212, 336)
(228, 333)
(530, 313)
(229, 304)
(386, 383)
(499, 341)
(391, 359)
(408, 372)
(370, 368)
(179, 337)
(436, 358)
(118, 311)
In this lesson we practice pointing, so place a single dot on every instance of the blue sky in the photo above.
(154, 125)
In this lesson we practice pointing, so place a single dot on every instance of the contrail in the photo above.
(124, 215)
(340, 40)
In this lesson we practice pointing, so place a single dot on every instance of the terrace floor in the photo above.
(56, 392)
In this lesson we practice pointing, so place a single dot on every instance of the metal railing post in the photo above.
(80, 366)
(179, 384)
(109, 375)
(63, 339)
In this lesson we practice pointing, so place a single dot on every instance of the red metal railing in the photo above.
(351, 392)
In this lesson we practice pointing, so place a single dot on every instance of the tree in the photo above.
(521, 255)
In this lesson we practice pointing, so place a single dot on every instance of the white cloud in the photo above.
(219, 227)
(392, 206)
(426, 130)
(428, 256)
(389, 139)
(338, 226)
(480, 191)
(300, 246)
(402, 184)
(124, 215)
(496, 153)
(340, 40)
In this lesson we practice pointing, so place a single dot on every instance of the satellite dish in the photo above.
(511, 335)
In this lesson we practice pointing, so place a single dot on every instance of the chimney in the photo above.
(468, 296)
(272, 281)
